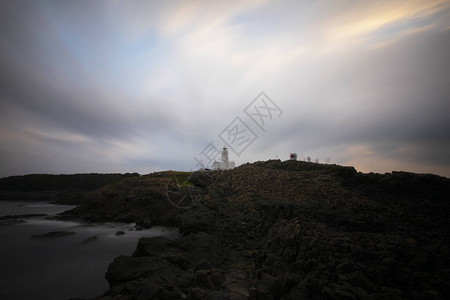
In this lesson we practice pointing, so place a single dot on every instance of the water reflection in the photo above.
(62, 267)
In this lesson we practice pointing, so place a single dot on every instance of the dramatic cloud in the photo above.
(115, 86)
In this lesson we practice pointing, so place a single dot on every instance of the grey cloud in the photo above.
(395, 96)
(61, 64)
(57, 89)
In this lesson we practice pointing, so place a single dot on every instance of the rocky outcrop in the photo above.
(17, 219)
(139, 199)
(293, 230)
(10, 217)
(172, 269)
(53, 234)
(332, 264)
(90, 239)
(201, 179)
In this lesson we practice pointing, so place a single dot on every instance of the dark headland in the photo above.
(277, 230)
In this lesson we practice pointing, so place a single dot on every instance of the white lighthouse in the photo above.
(225, 164)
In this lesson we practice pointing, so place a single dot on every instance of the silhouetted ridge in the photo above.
(45, 182)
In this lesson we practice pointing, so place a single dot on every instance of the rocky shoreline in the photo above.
(17, 219)
(281, 230)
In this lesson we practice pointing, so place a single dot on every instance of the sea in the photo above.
(64, 267)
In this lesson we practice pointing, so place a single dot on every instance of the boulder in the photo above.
(201, 179)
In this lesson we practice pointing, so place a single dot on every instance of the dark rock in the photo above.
(17, 219)
(201, 179)
(153, 246)
(197, 219)
(359, 279)
(217, 295)
(146, 223)
(344, 267)
(289, 230)
(90, 239)
(11, 222)
(197, 294)
(147, 291)
(235, 296)
(203, 280)
(203, 265)
(120, 232)
(53, 234)
(125, 268)
(24, 216)
(290, 280)
(217, 279)
(389, 261)
(238, 287)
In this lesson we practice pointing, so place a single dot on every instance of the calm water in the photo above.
(63, 267)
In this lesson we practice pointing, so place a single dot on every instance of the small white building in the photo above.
(225, 164)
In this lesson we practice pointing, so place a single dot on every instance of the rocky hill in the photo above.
(282, 230)
(46, 187)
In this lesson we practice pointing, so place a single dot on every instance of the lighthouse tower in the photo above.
(225, 164)
(225, 155)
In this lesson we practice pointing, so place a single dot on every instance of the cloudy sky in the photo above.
(139, 86)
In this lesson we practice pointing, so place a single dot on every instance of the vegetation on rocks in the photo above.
(281, 230)
(140, 199)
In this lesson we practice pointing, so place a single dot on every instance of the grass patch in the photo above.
(179, 177)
